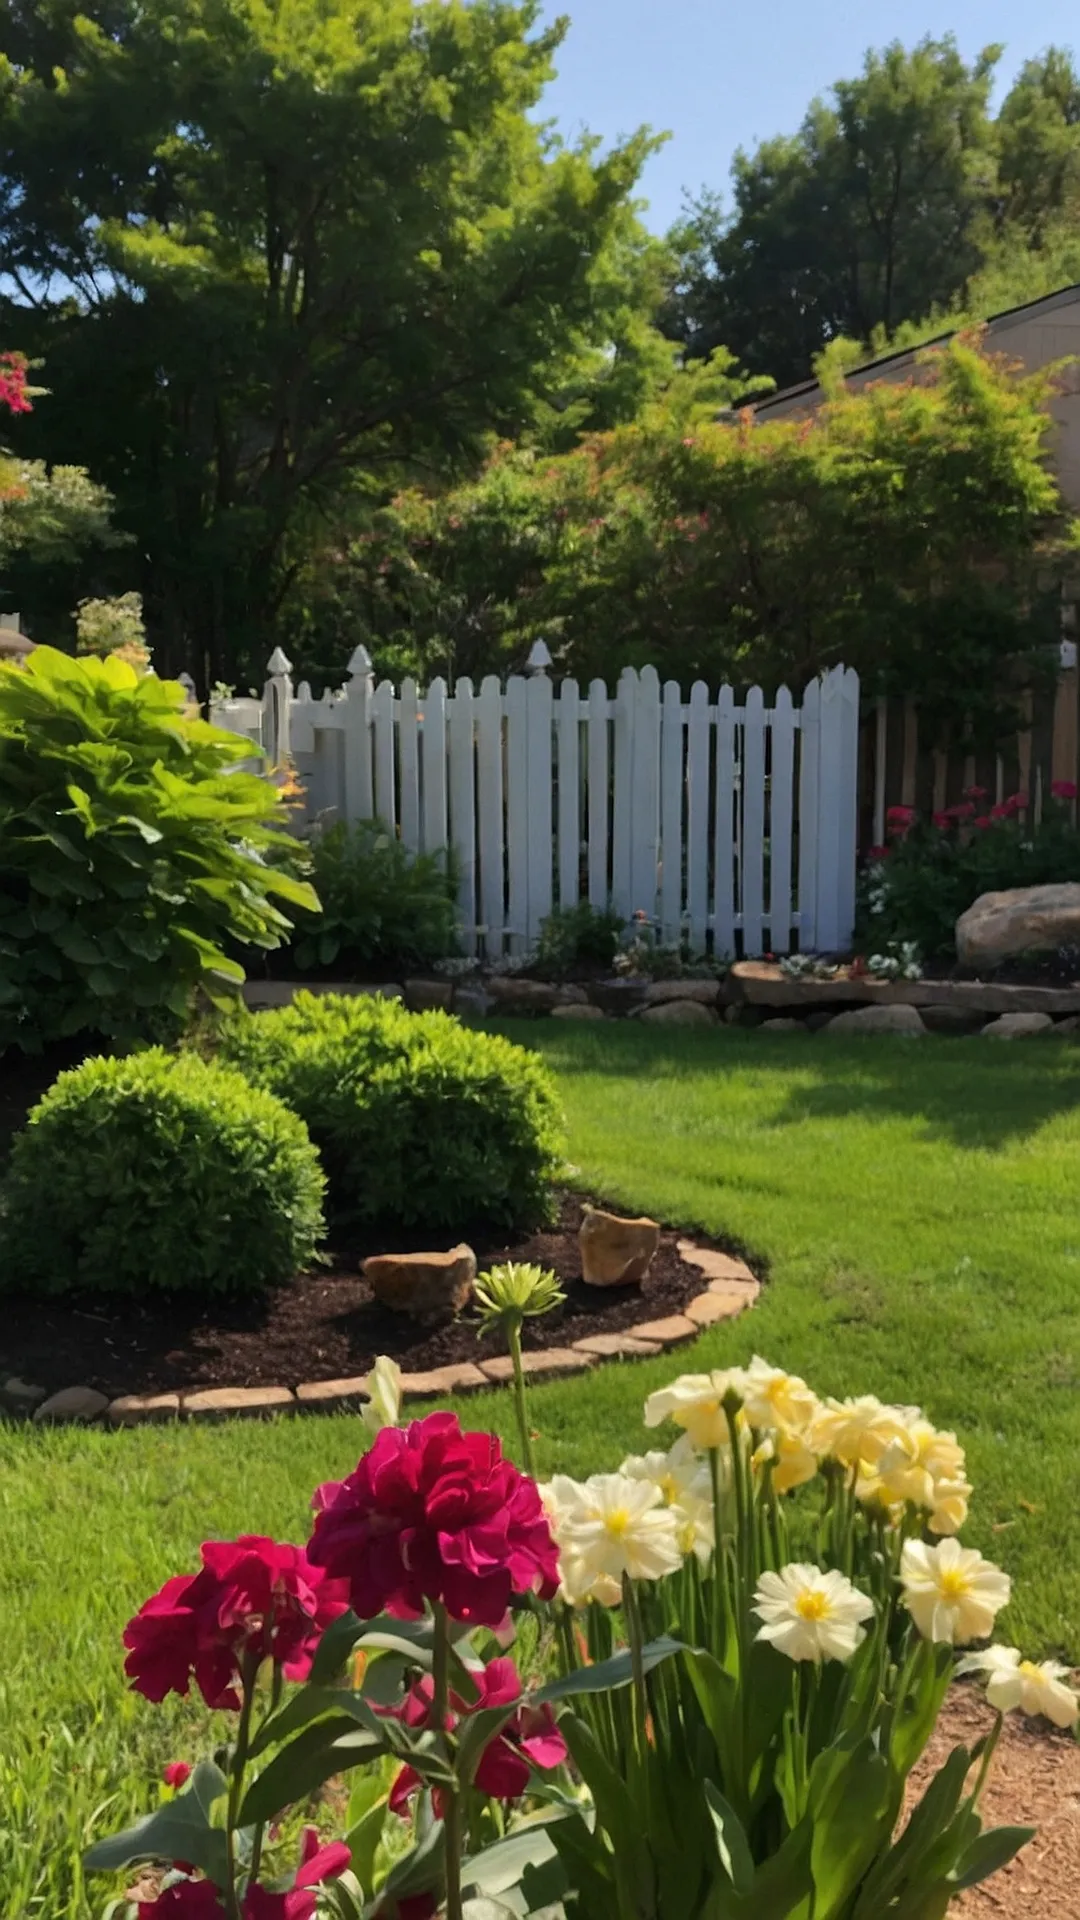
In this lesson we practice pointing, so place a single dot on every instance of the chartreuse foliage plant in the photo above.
(736, 1745)
(133, 856)
(158, 1173)
(417, 1118)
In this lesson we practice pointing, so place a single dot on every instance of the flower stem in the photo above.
(237, 1764)
(641, 1699)
(513, 1341)
(276, 1687)
(440, 1674)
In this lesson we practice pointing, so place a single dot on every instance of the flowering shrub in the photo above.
(743, 1756)
(914, 889)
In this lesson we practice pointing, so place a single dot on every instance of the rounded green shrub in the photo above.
(419, 1120)
(159, 1173)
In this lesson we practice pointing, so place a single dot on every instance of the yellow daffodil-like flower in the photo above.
(685, 1484)
(870, 1494)
(774, 1398)
(811, 1615)
(608, 1526)
(1033, 1687)
(951, 1592)
(793, 1461)
(695, 1401)
(913, 1464)
(856, 1431)
(950, 1508)
(383, 1407)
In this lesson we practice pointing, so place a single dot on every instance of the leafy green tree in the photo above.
(1038, 138)
(871, 214)
(283, 253)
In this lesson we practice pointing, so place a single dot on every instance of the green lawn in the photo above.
(919, 1208)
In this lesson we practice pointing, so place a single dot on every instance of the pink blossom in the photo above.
(1063, 789)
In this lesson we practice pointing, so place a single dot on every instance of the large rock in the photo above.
(616, 996)
(660, 991)
(1021, 920)
(1018, 1026)
(574, 1012)
(511, 994)
(429, 1287)
(680, 1013)
(902, 1020)
(615, 1252)
(428, 996)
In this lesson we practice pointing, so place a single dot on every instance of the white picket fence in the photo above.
(716, 819)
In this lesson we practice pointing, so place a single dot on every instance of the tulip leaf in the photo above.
(348, 1634)
(607, 1674)
(329, 1747)
(179, 1830)
(987, 1853)
(731, 1842)
(849, 1804)
(310, 1704)
(504, 1865)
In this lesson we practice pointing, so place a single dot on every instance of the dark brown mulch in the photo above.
(324, 1325)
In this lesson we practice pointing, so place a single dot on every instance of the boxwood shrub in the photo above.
(158, 1173)
(419, 1120)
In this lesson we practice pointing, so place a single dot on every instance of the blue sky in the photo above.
(717, 77)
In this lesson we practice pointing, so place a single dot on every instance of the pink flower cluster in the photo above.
(201, 1900)
(529, 1739)
(13, 394)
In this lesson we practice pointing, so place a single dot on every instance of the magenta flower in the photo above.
(176, 1774)
(530, 1738)
(1063, 789)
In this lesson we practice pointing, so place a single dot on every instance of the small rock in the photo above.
(72, 1406)
(463, 1378)
(1017, 1026)
(723, 1267)
(615, 1252)
(575, 1012)
(20, 1397)
(511, 994)
(1068, 1025)
(669, 1332)
(617, 1346)
(471, 1003)
(782, 1025)
(428, 996)
(660, 992)
(142, 1409)
(326, 1396)
(233, 1403)
(570, 994)
(618, 997)
(717, 1303)
(1018, 920)
(554, 1360)
(950, 1020)
(818, 1019)
(429, 1287)
(904, 1021)
(680, 1013)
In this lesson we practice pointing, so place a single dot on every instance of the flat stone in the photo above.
(575, 1012)
(510, 993)
(761, 983)
(570, 994)
(722, 1267)
(1019, 920)
(428, 996)
(617, 1346)
(718, 1303)
(143, 1409)
(323, 1396)
(615, 1252)
(72, 1406)
(680, 1013)
(660, 992)
(462, 1378)
(782, 1024)
(20, 1397)
(429, 1287)
(234, 1403)
(554, 1361)
(904, 1021)
(619, 997)
(1018, 1026)
(471, 1003)
(669, 1332)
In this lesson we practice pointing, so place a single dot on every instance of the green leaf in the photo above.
(421, 1871)
(731, 1842)
(179, 1830)
(364, 1822)
(608, 1674)
(987, 1854)
(849, 1806)
(329, 1747)
(478, 1729)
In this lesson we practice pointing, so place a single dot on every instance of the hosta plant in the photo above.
(133, 856)
(704, 1720)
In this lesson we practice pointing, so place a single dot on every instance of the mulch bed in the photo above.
(323, 1325)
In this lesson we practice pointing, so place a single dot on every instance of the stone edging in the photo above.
(730, 1288)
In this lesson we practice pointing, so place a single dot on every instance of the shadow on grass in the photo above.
(975, 1093)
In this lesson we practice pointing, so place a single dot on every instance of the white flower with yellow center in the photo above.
(811, 1615)
(951, 1592)
(916, 1461)
(383, 1405)
(950, 1508)
(695, 1401)
(870, 1494)
(1033, 1687)
(611, 1526)
(773, 1398)
(856, 1431)
(685, 1482)
(793, 1461)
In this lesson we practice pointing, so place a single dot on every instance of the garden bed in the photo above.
(324, 1325)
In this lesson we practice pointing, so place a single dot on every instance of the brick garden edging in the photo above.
(730, 1288)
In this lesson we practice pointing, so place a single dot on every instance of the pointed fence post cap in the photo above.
(360, 662)
(278, 663)
(539, 659)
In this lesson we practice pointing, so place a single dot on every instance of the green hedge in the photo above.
(157, 1173)
(419, 1120)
